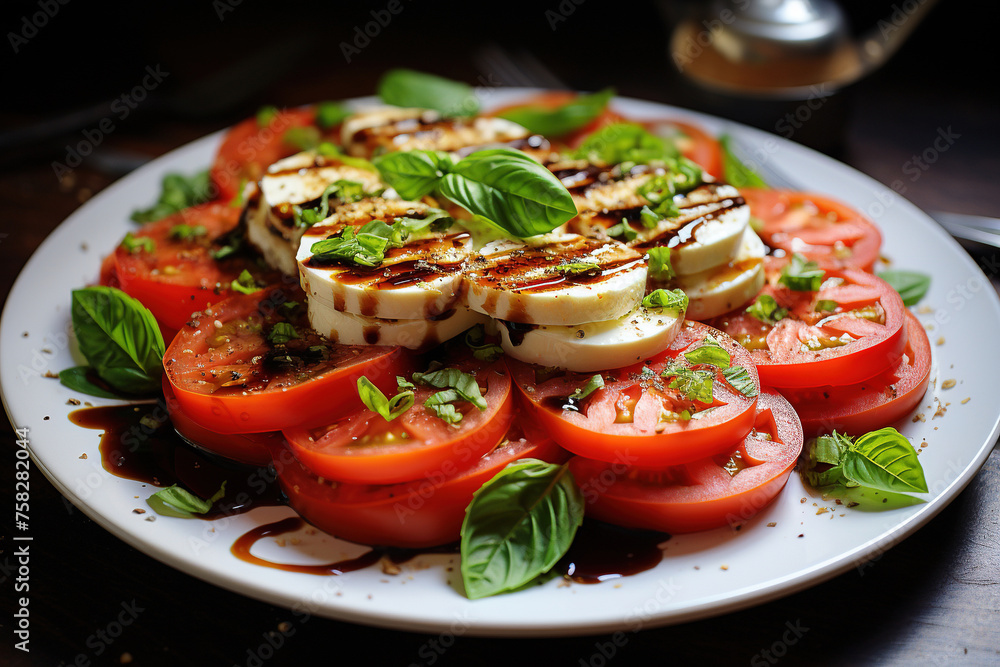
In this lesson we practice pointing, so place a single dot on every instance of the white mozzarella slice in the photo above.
(295, 181)
(720, 290)
(416, 334)
(595, 346)
(421, 279)
(532, 281)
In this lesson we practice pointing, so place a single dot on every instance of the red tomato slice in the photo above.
(826, 231)
(248, 149)
(693, 142)
(229, 378)
(636, 415)
(249, 448)
(363, 448)
(875, 403)
(725, 489)
(180, 276)
(861, 338)
(416, 514)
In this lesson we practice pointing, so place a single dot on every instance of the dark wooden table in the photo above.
(934, 599)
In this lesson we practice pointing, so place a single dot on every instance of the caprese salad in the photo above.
(479, 327)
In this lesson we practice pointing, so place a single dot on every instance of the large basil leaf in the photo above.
(518, 525)
(119, 337)
(510, 190)
(886, 460)
(409, 88)
(912, 286)
(555, 122)
(413, 174)
(76, 378)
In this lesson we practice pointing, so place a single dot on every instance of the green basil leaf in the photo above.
(886, 460)
(824, 458)
(695, 385)
(660, 267)
(475, 339)
(623, 230)
(561, 120)
(593, 384)
(674, 299)
(304, 138)
(76, 379)
(709, 352)
(265, 115)
(413, 174)
(404, 384)
(766, 309)
(649, 218)
(135, 244)
(734, 171)
(245, 284)
(179, 502)
(825, 306)
(578, 268)
(625, 142)
(376, 401)
(801, 275)
(409, 88)
(518, 526)
(119, 337)
(177, 192)
(282, 332)
(510, 190)
(912, 286)
(346, 191)
(740, 380)
(452, 378)
(329, 114)
(444, 410)
(184, 232)
(327, 149)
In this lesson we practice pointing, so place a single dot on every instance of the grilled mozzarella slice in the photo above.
(416, 334)
(594, 346)
(418, 280)
(561, 279)
(706, 233)
(401, 129)
(723, 288)
(298, 180)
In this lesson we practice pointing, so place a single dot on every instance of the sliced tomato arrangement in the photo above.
(728, 488)
(826, 231)
(230, 377)
(872, 404)
(176, 274)
(861, 337)
(636, 415)
(416, 514)
(250, 147)
(363, 448)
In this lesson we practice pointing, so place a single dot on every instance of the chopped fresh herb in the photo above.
(660, 191)
(912, 286)
(304, 137)
(563, 119)
(709, 352)
(825, 306)
(184, 232)
(282, 332)
(245, 284)
(458, 386)
(364, 247)
(376, 401)
(329, 114)
(801, 274)
(734, 171)
(766, 309)
(326, 149)
(593, 384)
(347, 191)
(177, 192)
(265, 115)
(739, 378)
(475, 339)
(577, 268)
(136, 244)
(445, 411)
(623, 230)
(695, 385)
(179, 502)
(625, 142)
(660, 267)
(403, 384)
(674, 299)
(649, 218)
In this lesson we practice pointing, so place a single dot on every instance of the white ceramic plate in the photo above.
(701, 575)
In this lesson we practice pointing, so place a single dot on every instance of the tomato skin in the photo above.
(700, 495)
(826, 231)
(181, 277)
(417, 514)
(873, 404)
(250, 448)
(197, 372)
(432, 443)
(594, 433)
(782, 363)
(248, 149)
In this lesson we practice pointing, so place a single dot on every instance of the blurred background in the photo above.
(67, 64)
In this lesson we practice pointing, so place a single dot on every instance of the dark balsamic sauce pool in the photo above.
(139, 443)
